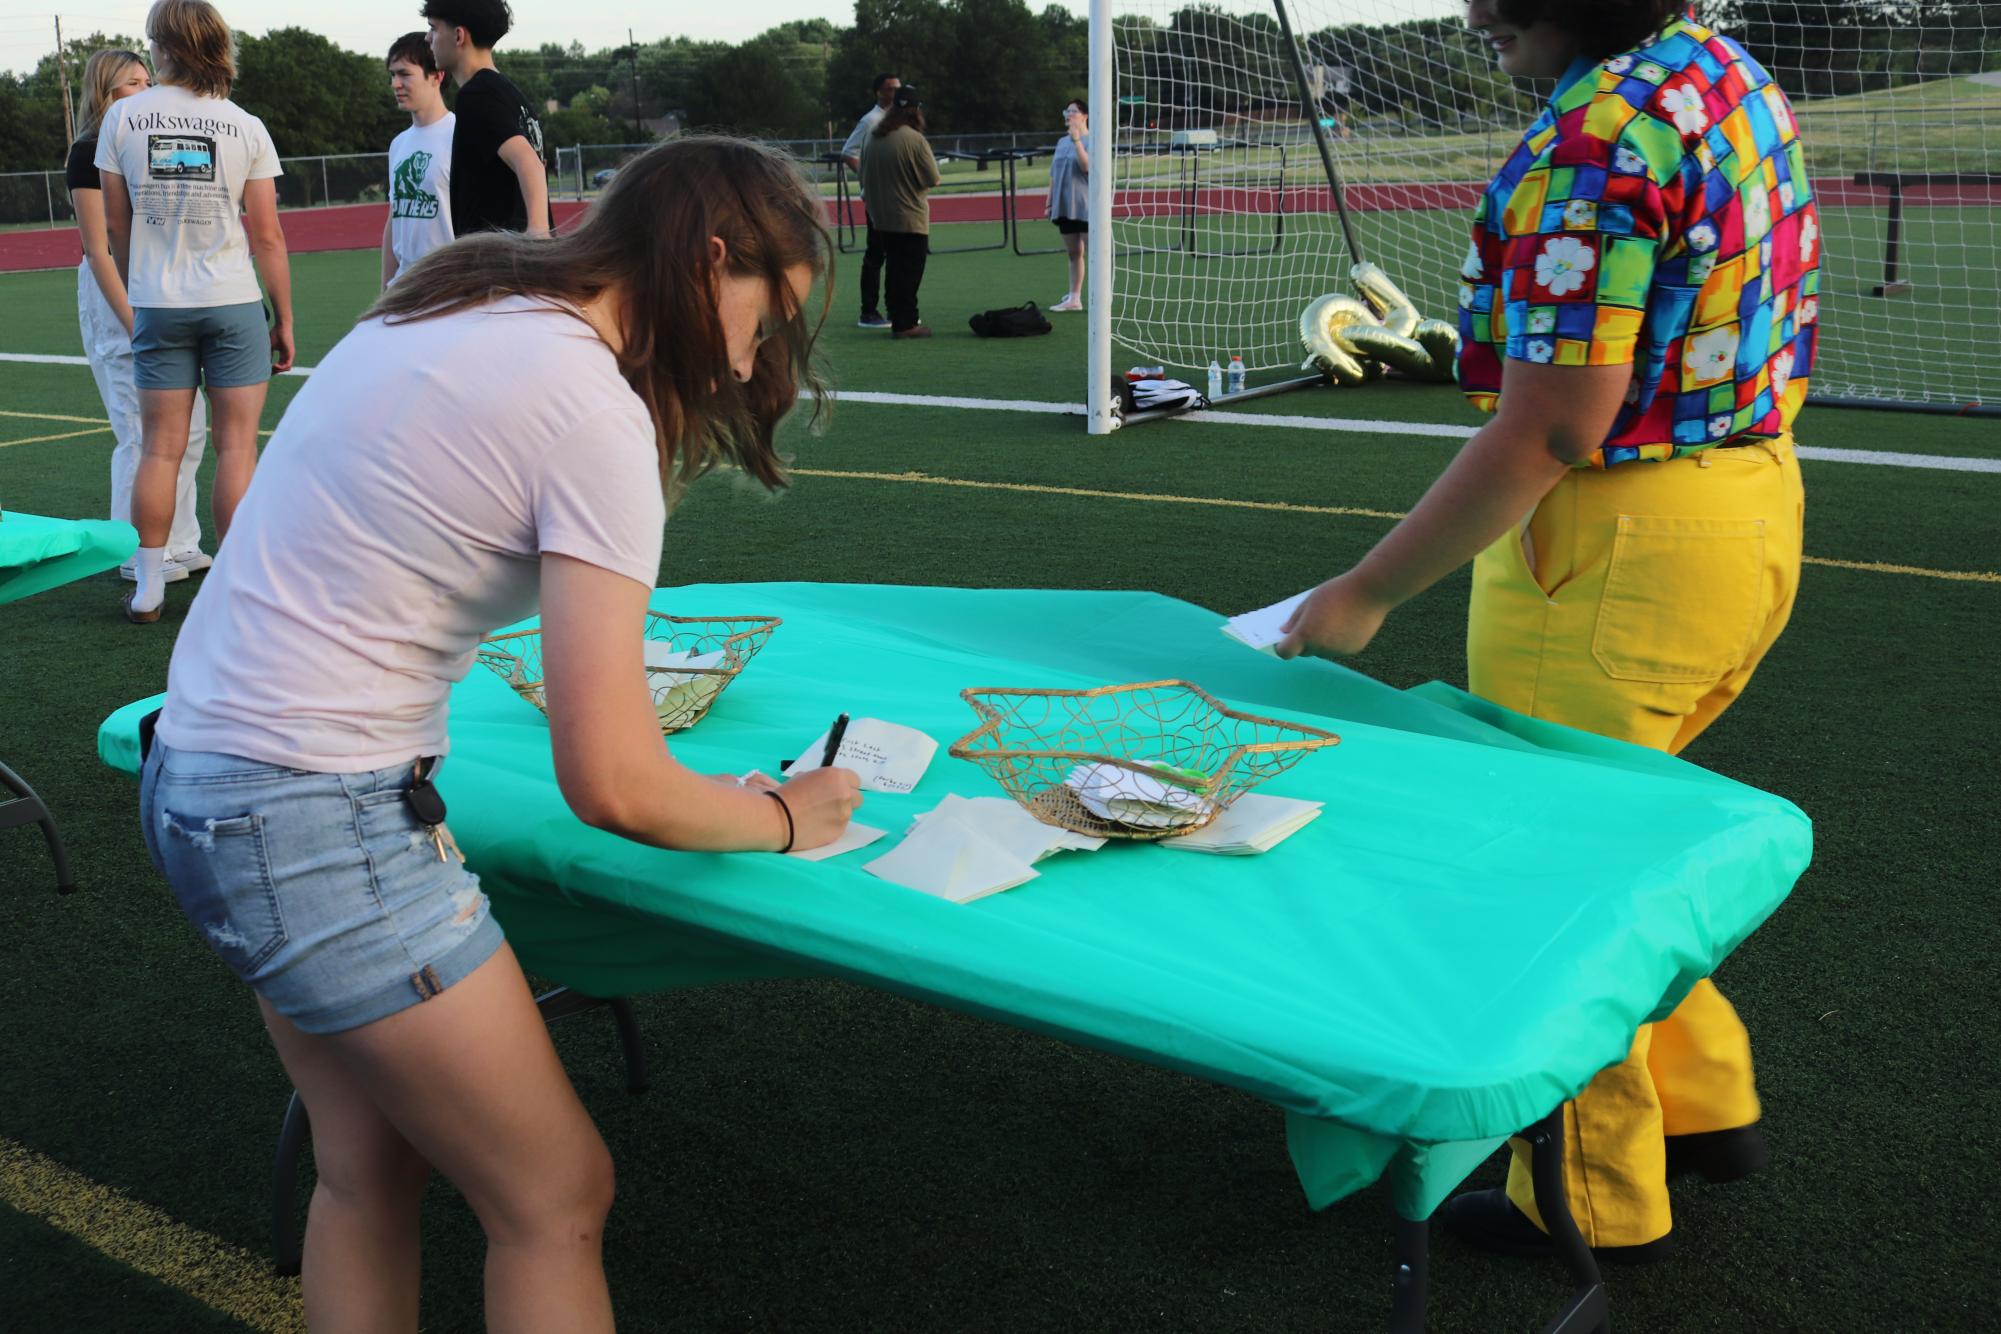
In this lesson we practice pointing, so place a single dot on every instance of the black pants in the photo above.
(905, 254)
(871, 272)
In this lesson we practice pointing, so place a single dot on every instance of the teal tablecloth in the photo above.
(1486, 911)
(38, 553)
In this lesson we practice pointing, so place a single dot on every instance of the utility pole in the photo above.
(633, 46)
(62, 74)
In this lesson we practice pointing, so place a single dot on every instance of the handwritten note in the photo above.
(888, 757)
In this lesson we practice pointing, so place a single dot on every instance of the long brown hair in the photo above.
(100, 75)
(196, 48)
(648, 238)
(898, 117)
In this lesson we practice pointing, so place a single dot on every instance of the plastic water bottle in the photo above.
(1236, 374)
(1215, 381)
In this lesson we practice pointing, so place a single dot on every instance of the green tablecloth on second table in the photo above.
(38, 553)
(1476, 925)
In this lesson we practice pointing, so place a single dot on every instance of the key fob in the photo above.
(423, 797)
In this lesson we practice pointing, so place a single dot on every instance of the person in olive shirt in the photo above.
(898, 171)
(499, 182)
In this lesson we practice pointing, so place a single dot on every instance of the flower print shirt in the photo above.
(1658, 215)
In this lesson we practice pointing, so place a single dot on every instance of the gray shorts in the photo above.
(222, 347)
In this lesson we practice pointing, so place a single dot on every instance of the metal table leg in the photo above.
(24, 807)
(1589, 1308)
(1411, 1284)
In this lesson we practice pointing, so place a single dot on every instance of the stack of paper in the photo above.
(683, 682)
(1263, 628)
(1251, 824)
(854, 836)
(889, 757)
(1010, 827)
(949, 856)
(1139, 800)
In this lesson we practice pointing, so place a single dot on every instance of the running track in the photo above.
(359, 226)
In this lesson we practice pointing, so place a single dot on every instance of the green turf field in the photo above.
(815, 1156)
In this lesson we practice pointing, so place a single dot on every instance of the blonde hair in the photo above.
(195, 46)
(104, 71)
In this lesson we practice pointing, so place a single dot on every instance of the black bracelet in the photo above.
(788, 819)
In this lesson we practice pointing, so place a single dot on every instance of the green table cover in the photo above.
(38, 553)
(1483, 915)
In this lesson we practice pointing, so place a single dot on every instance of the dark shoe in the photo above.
(140, 617)
(1719, 1155)
(914, 331)
(1489, 1220)
(871, 320)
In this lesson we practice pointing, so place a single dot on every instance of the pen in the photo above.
(834, 735)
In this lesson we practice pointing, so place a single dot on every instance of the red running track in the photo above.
(359, 226)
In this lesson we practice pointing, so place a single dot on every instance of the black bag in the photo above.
(1023, 321)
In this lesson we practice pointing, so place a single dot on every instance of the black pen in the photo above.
(834, 735)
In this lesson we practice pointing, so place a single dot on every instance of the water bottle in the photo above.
(1236, 374)
(1215, 381)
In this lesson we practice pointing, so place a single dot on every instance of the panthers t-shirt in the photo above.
(420, 199)
(485, 195)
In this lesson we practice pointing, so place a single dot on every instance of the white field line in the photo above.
(1350, 425)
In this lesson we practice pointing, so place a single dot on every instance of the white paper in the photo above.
(1139, 800)
(688, 689)
(887, 756)
(1253, 823)
(950, 860)
(1006, 824)
(854, 836)
(1262, 629)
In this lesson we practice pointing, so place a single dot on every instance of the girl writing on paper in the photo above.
(502, 430)
(1638, 310)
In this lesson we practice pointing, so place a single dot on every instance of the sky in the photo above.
(367, 25)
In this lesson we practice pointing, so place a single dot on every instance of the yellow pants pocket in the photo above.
(1683, 598)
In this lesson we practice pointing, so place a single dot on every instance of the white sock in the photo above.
(152, 590)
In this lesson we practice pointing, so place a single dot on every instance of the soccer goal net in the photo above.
(1221, 224)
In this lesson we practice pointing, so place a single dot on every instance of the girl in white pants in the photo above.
(106, 324)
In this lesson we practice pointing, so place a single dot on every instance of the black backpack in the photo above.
(1023, 321)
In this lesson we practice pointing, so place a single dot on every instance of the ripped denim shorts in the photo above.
(322, 891)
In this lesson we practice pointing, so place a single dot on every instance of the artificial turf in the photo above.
(816, 1156)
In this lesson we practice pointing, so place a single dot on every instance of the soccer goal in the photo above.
(1259, 148)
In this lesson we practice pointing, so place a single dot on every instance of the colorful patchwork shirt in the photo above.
(1656, 214)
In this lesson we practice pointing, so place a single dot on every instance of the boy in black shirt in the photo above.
(499, 182)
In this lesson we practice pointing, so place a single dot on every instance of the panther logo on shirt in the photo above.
(406, 188)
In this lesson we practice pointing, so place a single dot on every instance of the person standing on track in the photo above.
(898, 174)
(1639, 311)
(851, 153)
(500, 432)
(420, 159)
(189, 204)
(104, 313)
(498, 179)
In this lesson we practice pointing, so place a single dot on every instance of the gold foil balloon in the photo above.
(1353, 342)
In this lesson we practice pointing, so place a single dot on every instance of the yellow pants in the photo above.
(1635, 603)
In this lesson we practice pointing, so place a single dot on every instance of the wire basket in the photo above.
(690, 661)
(1158, 759)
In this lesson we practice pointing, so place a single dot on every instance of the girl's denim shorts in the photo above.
(322, 891)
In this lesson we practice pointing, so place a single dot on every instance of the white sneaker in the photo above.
(194, 560)
(171, 571)
(1068, 303)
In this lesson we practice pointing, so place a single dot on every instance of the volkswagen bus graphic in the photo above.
(180, 157)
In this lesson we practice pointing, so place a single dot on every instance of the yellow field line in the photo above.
(1285, 507)
(60, 435)
(220, 1276)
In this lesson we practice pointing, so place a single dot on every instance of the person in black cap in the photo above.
(898, 171)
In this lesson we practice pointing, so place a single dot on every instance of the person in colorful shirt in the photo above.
(1638, 312)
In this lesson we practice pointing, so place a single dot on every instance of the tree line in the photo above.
(998, 65)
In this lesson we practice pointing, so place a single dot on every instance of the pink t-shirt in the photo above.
(397, 518)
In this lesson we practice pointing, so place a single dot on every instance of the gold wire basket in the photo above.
(1157, 759)
(718, 648)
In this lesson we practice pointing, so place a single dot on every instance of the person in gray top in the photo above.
(1069, 195)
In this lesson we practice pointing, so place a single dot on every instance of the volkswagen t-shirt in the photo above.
(485, 195)
(420, 200)
(185, 159)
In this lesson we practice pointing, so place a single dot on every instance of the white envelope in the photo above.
(1262, 629)
(950, 860)
(1124, 797)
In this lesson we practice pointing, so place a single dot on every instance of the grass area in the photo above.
(815, 1156)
